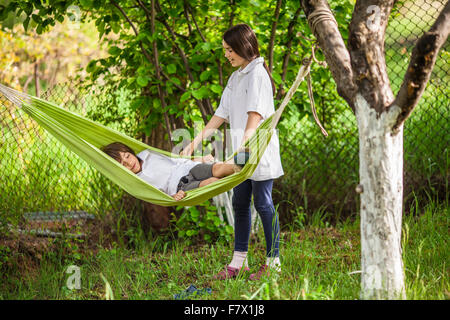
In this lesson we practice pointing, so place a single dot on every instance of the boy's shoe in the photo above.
(241, 158)
(230, 273)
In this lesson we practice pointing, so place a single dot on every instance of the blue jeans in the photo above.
(262, 197)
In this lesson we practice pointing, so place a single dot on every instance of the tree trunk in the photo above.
(381, 188)
(361, 79)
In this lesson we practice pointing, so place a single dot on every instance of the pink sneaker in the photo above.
(230, 273)
(262, 272)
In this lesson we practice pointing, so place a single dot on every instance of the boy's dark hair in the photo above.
(114, 148)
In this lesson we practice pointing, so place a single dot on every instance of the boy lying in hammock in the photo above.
(173, 176)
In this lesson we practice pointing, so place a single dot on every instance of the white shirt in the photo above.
(163, 172)
(248, 90)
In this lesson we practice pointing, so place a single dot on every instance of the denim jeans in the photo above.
(262, 198)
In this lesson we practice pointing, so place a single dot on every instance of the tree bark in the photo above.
(421, 65)
(381, 187)
(161, 92)
(362, 80)
(332, 45)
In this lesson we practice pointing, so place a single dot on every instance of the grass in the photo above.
(319, 262)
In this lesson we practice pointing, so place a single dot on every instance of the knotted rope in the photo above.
(319, 15)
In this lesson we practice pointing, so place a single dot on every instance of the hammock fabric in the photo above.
(85, 138)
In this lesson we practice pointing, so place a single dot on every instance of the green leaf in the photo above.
(135, 104)
(229, 229)
(171, 68)
(196, 85)
(277, 78)
(190, 233)
(86, 3)
(114, 51)
(197, 94)
(26, 23)
(115, 27)
(36, 18)
(60, 18)
(156, 104)
(201, 93)
(206, 46)
(91, 66)
(176, 80)
(216, 88)
(185, 96)
(205, 75)
(142, 81)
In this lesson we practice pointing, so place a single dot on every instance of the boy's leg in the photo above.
(220, 170)
(207, 181)
(202, 171)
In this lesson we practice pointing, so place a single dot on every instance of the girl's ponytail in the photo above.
(242, 40)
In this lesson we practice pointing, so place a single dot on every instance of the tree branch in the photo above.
(423, 59)
(320, 20)
(232, 13)
(158, 75)
(185, 62)
(287, 54)
(219, 66)
(272, 34)
(366, 46)
(186, 15)
(148, 14)
(144, 51)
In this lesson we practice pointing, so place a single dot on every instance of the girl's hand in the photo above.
(179, 195)
(212, 125)
(208, 158)
(187, 151)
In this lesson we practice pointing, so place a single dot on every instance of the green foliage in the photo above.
(190, 53)
(203, 223)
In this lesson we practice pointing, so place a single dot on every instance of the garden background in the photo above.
(99, 61)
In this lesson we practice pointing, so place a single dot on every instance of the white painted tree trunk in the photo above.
(381, 187)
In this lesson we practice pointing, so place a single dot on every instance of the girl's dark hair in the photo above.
(242, 40)
(114, 148)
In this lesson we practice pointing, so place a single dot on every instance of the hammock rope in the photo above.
(85, 137)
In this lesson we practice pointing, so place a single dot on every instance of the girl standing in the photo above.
(246, 101)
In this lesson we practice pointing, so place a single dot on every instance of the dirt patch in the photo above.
(24, 247)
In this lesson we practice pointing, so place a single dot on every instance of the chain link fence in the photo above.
(39, 174)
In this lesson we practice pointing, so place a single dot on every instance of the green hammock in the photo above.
(85, 138)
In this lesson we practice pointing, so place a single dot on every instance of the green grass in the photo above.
(318, 261)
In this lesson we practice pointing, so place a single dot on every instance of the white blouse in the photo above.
(163, 172)
(248, 90)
